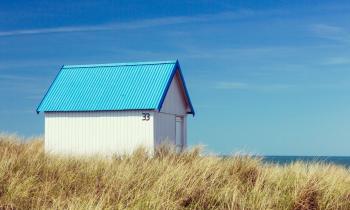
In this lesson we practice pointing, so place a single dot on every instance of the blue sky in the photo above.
(267, 77)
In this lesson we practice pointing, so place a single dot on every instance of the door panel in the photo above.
(179, 132)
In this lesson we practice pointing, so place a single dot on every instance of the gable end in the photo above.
(182, 85)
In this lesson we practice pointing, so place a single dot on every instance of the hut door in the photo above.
(179, 133)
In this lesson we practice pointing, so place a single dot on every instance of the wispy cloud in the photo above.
(242, 86)
(337, 61)
(326, 29)
(331, 32)
(154, 22)
(230, 15)
(163, 21)
(14, 78)
(134, 24)
(231, 85)
(202, 52)
(247, 86)
(26, 86)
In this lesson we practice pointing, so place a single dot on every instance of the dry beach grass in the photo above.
(29, 179)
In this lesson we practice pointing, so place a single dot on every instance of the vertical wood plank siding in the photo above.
(107, 132)
(174, 105)
(164, 128)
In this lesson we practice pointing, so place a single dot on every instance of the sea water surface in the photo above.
(338, 160)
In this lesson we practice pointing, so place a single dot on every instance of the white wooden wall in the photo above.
(106, 133)
(174, 105)
(164, 128)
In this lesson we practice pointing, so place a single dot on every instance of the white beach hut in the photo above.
(115, 108)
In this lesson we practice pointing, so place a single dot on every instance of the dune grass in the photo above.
(29, 179)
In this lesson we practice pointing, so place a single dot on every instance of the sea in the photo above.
(338, 160)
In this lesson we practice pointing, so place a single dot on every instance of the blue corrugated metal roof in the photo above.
(118, 86)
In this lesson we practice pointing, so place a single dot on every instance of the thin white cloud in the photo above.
(19, 111)
(326, 29)
(243, 13)
(202, 52)
(25, 63)
(17, 78)
(331, 32)
(28, 87)
(337, 61)
(232, 85)
(134, 24)
(242, 86)
(246, 86)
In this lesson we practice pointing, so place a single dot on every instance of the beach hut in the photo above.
(115, 108)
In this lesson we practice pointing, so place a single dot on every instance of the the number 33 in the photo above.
(145, 116)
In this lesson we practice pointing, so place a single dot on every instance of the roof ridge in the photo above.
(120, 64)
